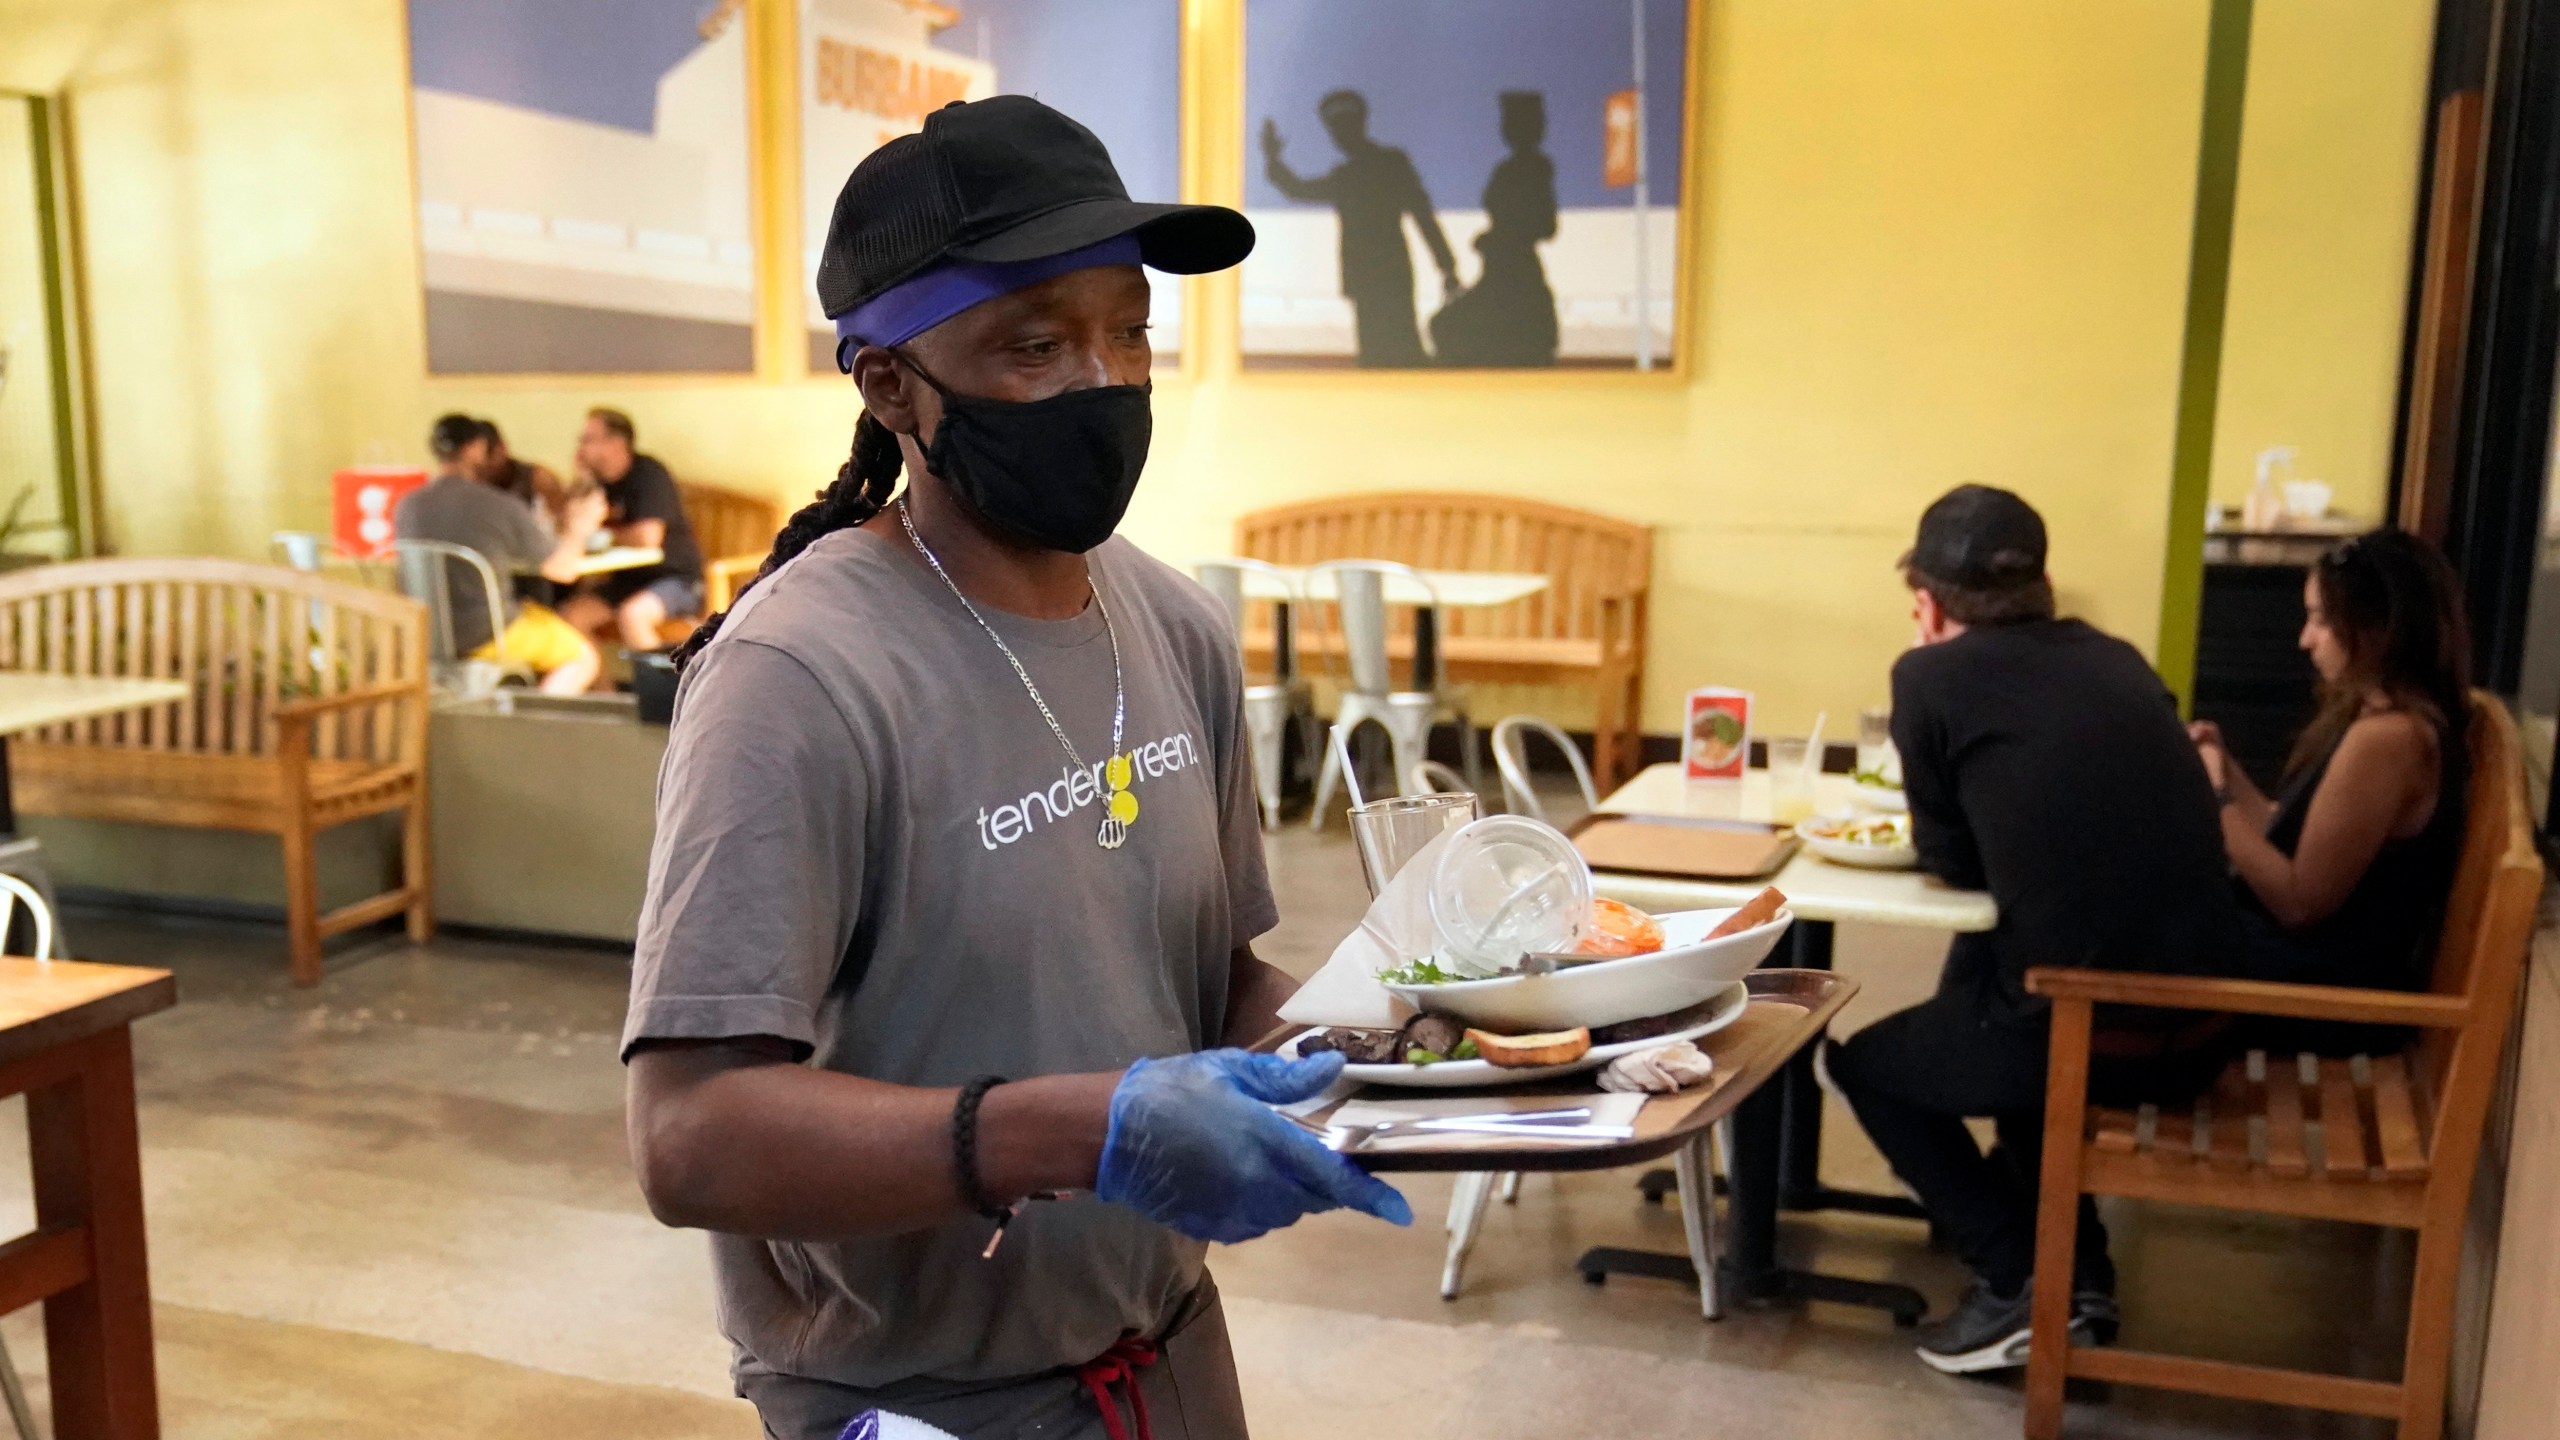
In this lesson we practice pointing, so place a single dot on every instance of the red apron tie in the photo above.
(1119, 1367)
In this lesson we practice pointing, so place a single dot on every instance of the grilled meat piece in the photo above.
(1435, 1033)
(1359, 1047)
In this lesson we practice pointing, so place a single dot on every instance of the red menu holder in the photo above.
(360, 509)
(1716, 741)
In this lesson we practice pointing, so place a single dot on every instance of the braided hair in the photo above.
(861, 490)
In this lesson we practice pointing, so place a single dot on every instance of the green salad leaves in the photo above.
(1420, 972)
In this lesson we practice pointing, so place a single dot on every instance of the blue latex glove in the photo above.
(1193, 1145)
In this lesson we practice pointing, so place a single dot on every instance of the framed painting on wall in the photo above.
(583, 175)
(871, 70)
(1464, 184)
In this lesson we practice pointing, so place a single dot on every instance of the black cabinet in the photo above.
(2252, 678)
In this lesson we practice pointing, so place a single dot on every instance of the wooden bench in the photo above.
(1587, 629)
(2390, 1140)
(735, 532)
(309, 710)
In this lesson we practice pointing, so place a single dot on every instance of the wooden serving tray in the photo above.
(1789, 1010)
(1682, 849)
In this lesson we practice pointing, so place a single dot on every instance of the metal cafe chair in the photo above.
(426, 576)
(1511, 759)
(1369, 692)
(1267, 706)
(1430, 777)
(1693, 1167)
(1467, 1201)
(304, 549)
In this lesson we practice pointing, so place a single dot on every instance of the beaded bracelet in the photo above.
(964, 1149)
(964, 1163)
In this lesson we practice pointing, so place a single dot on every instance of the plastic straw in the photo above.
(1813, 744)
(1350, 772)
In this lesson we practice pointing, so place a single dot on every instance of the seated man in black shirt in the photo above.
(2043, 761)
(643, 509)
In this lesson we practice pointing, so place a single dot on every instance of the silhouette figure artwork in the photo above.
(1373, 191)
(1509, 317)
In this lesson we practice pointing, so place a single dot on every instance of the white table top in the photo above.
(1818, 889)
(1454, 589)
(32, 701)
(621, 557)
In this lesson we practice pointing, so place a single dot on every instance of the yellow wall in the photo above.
(2320, 253)
(1933, 241)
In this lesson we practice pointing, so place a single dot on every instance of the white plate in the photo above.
(1460, 1074)
(1688, 970)
(1905, 856)
(1887, 798)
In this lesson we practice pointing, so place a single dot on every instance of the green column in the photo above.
(68, 434)
(2226, 91)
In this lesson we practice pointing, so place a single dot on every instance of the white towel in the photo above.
(881, 1425)
(1605, 1110)
(1397, 930)
(1659, 1071)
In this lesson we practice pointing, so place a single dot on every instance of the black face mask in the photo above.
(1057, 473)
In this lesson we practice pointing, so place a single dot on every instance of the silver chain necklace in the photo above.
(1120, 808)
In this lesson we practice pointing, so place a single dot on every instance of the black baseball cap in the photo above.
(1979, 537)
(998, 181)
(454, 433)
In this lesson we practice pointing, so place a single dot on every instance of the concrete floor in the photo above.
(400, 1205)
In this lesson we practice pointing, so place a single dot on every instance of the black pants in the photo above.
(1915, 1077)
(1190, 1395)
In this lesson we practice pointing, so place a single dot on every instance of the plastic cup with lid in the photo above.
(1507, 887)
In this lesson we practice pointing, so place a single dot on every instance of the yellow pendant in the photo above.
(1122, 808)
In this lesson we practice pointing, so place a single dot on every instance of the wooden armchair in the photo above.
(734, 531)
(2389, 1141)
(309, 709)
(1587, 628)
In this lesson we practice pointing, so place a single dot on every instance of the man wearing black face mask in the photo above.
(960, 791)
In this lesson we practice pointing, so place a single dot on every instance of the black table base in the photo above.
(1766, 1289)
(1775, 1164)
(8, 801)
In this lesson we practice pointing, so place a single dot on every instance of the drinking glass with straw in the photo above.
(1793, 767)
(1392, 830)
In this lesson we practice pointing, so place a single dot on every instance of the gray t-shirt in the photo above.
(870, 845)
(461, 511)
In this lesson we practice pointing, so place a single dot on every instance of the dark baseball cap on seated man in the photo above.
(453, 434)
(993, 195)
(1979, 537)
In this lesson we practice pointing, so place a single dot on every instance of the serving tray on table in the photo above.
(1683, 847)
(1789, 1010)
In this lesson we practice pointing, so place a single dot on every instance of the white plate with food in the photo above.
(1713, 1014)
(1633, 965)
(1870, 842)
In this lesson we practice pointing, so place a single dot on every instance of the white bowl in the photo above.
(1886, 798)
(1904, 856)
(1687, 969)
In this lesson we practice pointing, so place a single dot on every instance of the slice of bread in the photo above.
(1759, 910)
(1558, 1047)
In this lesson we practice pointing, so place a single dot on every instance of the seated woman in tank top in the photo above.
(2345, 870)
